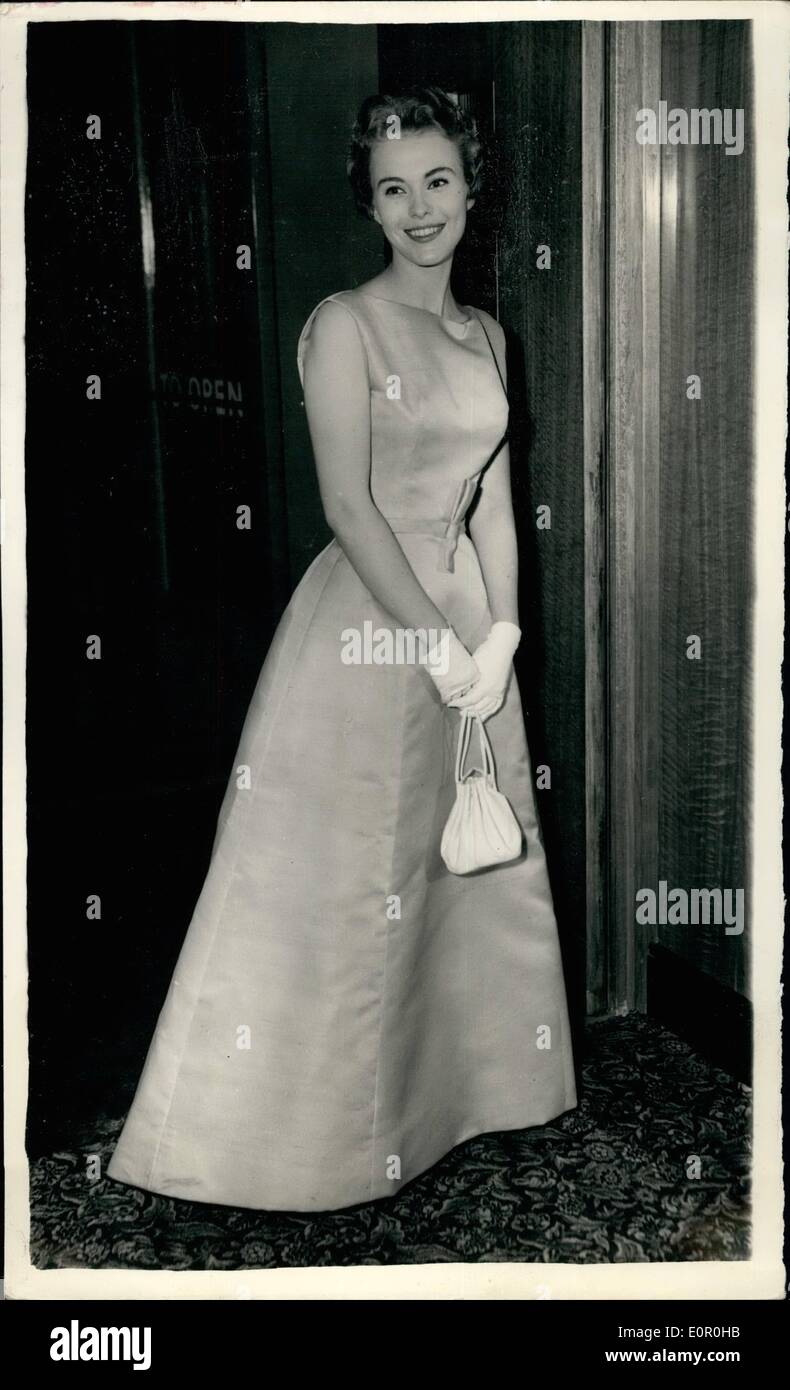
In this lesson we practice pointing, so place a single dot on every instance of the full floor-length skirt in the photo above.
(344, 1009)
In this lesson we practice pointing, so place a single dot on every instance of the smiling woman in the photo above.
(415, 167)
(345, 1009)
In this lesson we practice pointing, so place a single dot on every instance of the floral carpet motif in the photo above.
(614, 1180)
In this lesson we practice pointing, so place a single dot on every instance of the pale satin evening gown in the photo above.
(344, 1010)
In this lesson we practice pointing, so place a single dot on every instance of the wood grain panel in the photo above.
(633, 357)
(593, 78)
(538, 125)
(706, 490)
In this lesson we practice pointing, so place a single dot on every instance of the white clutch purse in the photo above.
(481, 829)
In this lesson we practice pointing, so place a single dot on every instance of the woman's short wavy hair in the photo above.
(419, 108)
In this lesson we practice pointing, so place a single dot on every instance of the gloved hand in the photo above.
(450, 666)
(494, 659)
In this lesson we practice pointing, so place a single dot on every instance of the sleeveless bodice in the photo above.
(438, 410)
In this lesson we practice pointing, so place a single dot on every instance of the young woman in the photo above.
(345, 1009)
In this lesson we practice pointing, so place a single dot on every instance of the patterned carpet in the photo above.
(605, 1183)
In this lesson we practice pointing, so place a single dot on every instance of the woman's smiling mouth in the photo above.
(424, 233)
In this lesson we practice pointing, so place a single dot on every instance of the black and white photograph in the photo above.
(393, 540)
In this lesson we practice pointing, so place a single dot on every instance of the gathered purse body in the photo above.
(481, 829)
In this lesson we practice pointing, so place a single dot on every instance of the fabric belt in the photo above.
(446, 531)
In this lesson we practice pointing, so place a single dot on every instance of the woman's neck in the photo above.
(427, 288)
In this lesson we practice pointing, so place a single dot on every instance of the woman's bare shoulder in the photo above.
(333, 320)
(332, 339)
(489, 322)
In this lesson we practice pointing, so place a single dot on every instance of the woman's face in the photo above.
(420, 196)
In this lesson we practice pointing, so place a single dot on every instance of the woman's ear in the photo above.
(373, 214)
(470, 202)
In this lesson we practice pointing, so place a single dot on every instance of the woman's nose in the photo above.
(418, 206)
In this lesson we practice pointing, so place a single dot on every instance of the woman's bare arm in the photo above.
(337, 402)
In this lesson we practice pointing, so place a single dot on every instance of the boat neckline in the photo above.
(400, 304)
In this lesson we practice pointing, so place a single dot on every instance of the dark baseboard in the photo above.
(712, 1018)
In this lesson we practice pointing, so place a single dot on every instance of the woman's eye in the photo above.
(438, 182)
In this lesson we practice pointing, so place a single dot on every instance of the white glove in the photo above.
(450, 666)
(494, 659)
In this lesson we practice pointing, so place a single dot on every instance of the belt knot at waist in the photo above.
(440, 527)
